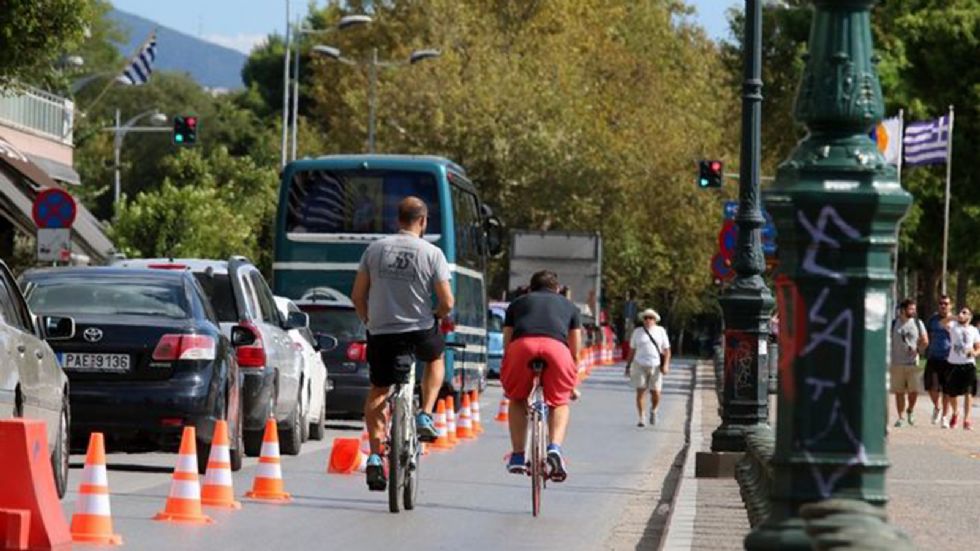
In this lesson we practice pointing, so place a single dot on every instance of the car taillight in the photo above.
(252, 355)
(357, 352)
(173, 347)
(447, 326)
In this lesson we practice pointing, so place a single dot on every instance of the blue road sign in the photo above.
(53, 209)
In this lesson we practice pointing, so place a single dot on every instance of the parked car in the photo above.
(495, 338)
(147, 359)
(313, 381)
(270, 364)
(332, 313)
(32, 384)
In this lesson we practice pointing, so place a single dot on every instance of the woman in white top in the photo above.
(961, 380)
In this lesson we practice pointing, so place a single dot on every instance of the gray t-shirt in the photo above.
(404, 270)
(905, 341)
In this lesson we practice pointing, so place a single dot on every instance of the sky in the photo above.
(240, 24)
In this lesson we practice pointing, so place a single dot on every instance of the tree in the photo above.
(34, 35)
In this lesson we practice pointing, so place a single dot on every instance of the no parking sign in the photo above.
(54, 208)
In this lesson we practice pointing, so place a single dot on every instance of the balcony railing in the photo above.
(38, 112)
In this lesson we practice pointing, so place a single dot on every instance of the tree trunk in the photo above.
(930, 293)
(962, 286)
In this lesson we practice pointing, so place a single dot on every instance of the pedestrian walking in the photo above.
(937, 356)
(648, 362)
(961, 380)
(909, 339)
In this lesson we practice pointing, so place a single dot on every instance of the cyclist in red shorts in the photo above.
(540, 325)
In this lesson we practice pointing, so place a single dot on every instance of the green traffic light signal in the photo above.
(710, 174)
(185, 130)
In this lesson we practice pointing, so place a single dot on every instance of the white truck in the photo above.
(575, 256)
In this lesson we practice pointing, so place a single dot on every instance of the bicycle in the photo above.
(403, 449)
(537, 413)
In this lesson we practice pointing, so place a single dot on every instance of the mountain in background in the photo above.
(209, 64)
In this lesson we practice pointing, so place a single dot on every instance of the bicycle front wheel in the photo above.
(537, 460)
(414, 455)
(396, 451)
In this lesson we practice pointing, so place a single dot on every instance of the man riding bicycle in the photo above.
(540, 325)
(392, 295)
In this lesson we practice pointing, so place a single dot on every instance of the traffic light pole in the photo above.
(747, 302)
(120, 131)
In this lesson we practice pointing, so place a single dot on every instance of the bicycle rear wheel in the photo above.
(537, 459)
(396, 450)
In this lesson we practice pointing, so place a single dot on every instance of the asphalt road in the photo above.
(466, 498)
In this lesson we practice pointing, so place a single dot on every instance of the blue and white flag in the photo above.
(139, 69)
(927, 142)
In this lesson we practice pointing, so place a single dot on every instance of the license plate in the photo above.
(94, 362)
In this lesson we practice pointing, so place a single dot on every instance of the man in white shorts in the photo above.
(648, 362)
(909, 338)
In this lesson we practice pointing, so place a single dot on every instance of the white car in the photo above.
(32, 384)
(313, 405)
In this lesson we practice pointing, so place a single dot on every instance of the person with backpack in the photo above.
(909, 339)
(648, 362)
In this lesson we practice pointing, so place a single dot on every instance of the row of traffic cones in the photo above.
(92, 521)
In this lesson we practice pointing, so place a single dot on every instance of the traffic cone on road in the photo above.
(184, 501)
(475, 412)
(267, 485)
(442, 440)
(92, 521)
(464, 431)
(451, 420)
(346, 456)
(218, 490)
(502, 414)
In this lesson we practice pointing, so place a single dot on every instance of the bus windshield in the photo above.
(356, 201)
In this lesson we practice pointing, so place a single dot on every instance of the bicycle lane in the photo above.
(466, 498)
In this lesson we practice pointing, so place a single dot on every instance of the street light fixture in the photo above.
(120, 130)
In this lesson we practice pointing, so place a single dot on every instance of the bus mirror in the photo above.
(495, 236)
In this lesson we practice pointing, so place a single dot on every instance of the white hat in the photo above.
(649, 313)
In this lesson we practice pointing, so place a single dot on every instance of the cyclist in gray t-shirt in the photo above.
(392, 295)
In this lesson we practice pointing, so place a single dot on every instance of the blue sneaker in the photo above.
(517, 464)
(376, 480)
(426, 428)
(556, 464)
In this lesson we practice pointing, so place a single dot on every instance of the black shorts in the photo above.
(961, 379)
(934, 377)
(383, 353)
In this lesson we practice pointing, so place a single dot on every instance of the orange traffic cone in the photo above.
(267, 485)
(442, 440)
(346, 456)
(451, 420)
(218, 490)
(464, 431)
(475, 412)
(502, 414)
(184, 501)
(92, 521)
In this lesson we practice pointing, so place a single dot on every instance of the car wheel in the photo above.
(203, 454)
(62, 449)
(292, 436)
(253, 438)
(317, 428)
(238, 448)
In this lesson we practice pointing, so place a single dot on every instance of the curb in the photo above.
(679, 529)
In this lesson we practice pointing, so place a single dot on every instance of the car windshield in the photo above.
(340, 323)
(218, 289)
(356, 201)
(109, 296)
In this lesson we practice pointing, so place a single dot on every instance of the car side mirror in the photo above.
(57, 328)
(297, 320)
(326, 342)
(242, 336)
(494, 230)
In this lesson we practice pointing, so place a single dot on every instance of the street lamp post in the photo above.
(836, 204)
(120, 130)
(374, 64)
(747, 303)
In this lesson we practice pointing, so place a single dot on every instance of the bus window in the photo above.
(356, 201)
(468, 229)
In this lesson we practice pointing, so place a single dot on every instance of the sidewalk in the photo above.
(933, 483)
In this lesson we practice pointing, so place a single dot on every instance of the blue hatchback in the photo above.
(495, 338)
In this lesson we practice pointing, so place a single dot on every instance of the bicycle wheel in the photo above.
(396, 447)
(537, 459)
(414, 455)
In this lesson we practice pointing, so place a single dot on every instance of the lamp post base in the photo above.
(787, 535)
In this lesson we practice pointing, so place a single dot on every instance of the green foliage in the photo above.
(34, 35)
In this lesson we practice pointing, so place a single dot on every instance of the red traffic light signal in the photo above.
(185, 130)
(711, 174)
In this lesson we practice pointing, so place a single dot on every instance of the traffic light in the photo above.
(185, 130)
(710, 174)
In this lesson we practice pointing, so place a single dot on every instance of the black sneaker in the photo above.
(376, 480)
(556, 466)
(425, 428)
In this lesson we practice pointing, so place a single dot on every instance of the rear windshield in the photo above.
(342, 324)
(110, 296)
(356, 201)
(218, 289)
(495, 323)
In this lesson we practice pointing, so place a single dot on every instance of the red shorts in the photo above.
(558, 378)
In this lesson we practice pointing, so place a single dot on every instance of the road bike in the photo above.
(537, 415)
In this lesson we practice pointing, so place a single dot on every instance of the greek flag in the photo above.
(139, 69)
(927, 142)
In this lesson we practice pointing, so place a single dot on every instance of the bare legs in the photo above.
(557, 424)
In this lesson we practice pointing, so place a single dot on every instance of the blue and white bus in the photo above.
(332, 207)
